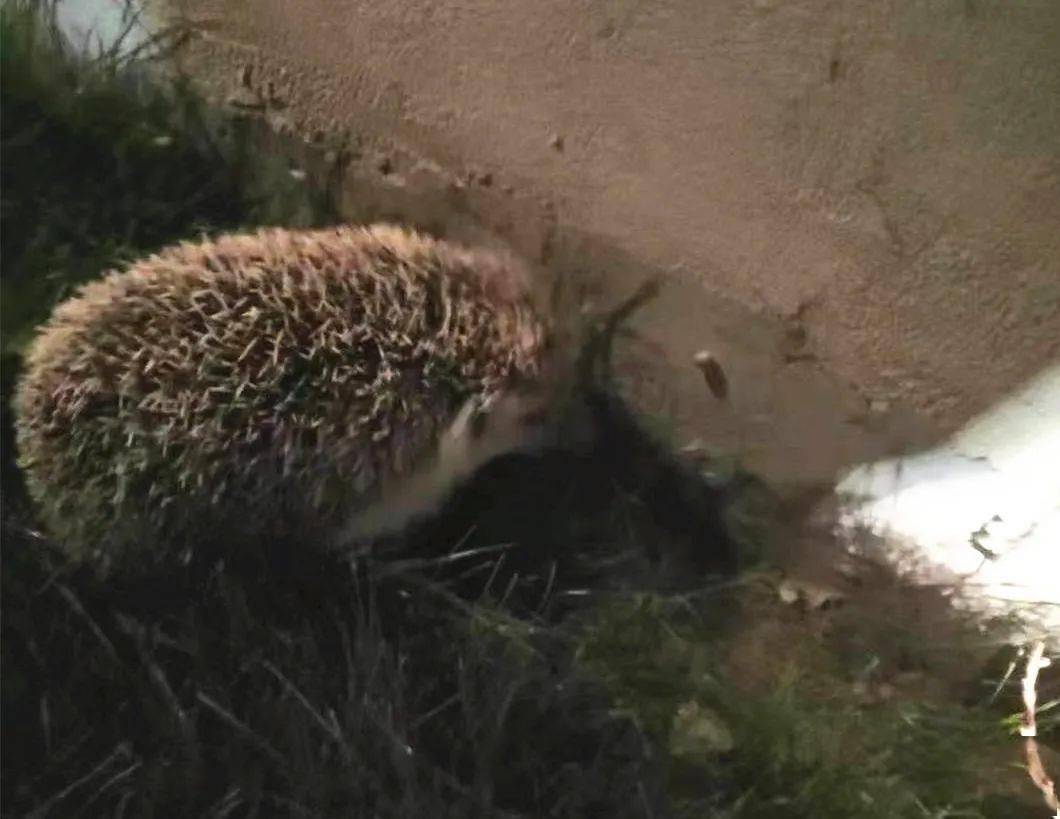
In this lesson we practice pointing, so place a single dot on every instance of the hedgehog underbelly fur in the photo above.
(284, 375)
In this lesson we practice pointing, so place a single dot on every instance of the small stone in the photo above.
(879, 406)
(556, 142)
(788, 594)
(713, 374)
(698, 731)
(297, 174)
(279, 123)
(427, 166)
(814, 596)
(695, 450)
(822, 597)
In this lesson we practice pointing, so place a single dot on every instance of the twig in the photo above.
(130, 20)
(1036, 661)
(166, 42)
(597, 351)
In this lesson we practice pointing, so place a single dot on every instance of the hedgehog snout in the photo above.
(482, 431)
(479, 432)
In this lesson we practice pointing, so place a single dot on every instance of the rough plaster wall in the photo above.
(857, 203)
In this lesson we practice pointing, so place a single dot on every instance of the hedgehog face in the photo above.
(514, 421)
(481, 432)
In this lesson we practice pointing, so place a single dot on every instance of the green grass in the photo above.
(798, 742)
(531, 677)
(101, 165)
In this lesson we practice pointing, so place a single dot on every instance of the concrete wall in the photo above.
(857, 204)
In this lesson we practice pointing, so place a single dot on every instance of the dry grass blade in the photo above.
(157, 676)
(594, 363)
(75, 604)
(121, 753)
(120, 776)
(396, 568)
(242, 728)
(330, 727)
(1036, 661)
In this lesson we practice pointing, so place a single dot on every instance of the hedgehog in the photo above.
(333, 384)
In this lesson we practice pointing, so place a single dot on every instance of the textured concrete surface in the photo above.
(858, 204)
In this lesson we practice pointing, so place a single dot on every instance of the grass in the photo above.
(797, 740)
(552, 646)
(316, 692)
(101, 165)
